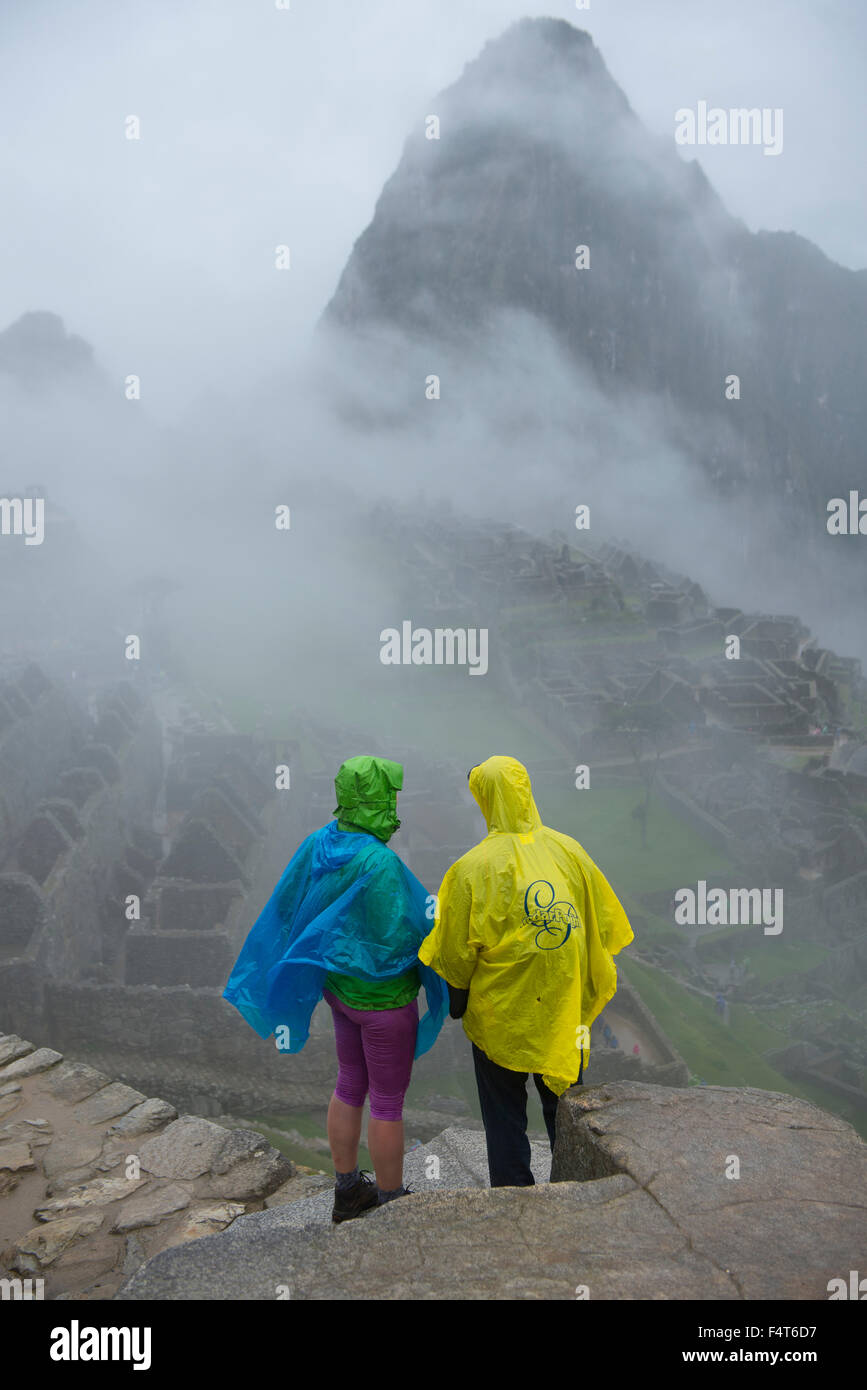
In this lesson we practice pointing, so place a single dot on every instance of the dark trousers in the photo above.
(503, 1100)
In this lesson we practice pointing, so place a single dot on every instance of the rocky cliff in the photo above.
(655, 1193)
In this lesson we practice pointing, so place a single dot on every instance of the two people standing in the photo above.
(524, 930)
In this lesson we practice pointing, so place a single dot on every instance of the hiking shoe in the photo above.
(356, 1201)
(404, 1193)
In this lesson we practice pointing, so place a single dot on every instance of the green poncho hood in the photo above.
(366, 791)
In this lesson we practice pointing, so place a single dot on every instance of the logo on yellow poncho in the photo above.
(554, 920)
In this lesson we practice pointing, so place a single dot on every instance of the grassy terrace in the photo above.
(730, 1055)
(601, 820)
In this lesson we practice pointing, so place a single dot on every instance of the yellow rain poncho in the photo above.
(528, 924)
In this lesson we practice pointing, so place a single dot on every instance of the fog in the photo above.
(263, 126)
(269, 127)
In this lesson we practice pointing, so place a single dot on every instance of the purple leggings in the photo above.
(375, 1050)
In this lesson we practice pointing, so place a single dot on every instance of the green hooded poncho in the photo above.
(367, 791)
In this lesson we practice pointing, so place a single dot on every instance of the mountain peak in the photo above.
(547, 59)
(533, 192)
(37, 347)
(558, 37)
(536, 132)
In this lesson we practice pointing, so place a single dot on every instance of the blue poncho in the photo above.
(345, 903)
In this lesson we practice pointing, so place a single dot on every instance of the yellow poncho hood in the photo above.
(529, 924)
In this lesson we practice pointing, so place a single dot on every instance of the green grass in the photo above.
(534, 619)
(274, 1128)
(600, 818)
(440, 711)
(702, 651)
(791, 761)
(723, 1055)
(588, 639)
(713, 1052)
(857, 714)
(298, 1120)
(771, 957)
(307, 1158)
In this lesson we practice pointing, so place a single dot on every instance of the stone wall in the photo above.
(76, 834)
(89, 894)
(40, 726)
(190, 1039)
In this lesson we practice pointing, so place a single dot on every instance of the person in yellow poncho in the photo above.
(524, 933)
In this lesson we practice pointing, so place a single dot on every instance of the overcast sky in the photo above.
(262, 126)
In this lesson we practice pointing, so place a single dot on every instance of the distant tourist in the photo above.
(345, 923)
(636, 1051)
(525, 931)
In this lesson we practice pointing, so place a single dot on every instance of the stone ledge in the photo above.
(640, 1207)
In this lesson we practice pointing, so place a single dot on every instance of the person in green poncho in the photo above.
(375, 1021)
(344, 923)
